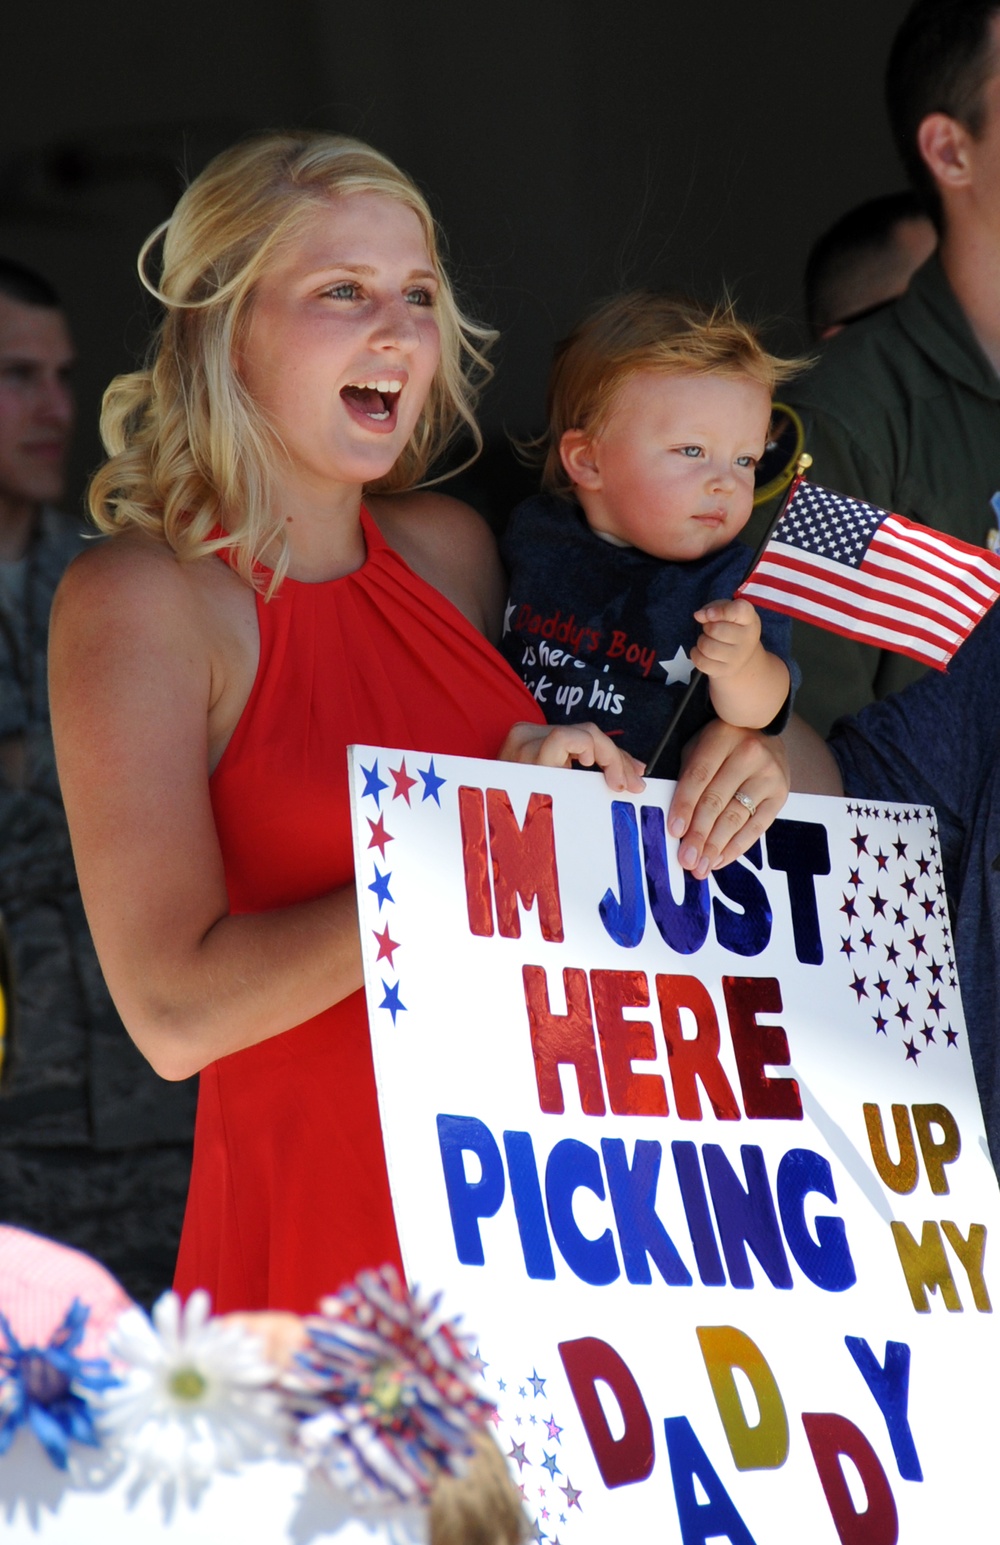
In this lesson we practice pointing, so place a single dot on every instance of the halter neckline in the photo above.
(374, 542)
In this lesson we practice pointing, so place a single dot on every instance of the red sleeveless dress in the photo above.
(289, 1194)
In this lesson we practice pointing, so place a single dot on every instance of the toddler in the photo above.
(619, 572)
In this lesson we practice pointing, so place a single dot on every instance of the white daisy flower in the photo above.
(195, 1396)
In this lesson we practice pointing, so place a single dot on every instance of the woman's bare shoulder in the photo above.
(431, 521)
(134, 585)
(450, 545)
(120, 573)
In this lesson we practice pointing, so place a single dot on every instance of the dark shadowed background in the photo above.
(569, 148)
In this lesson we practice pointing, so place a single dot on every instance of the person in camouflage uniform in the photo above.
(94, 1148)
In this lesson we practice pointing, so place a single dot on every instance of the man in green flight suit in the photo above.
(903, 408)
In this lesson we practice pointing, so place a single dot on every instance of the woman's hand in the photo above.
(733, 782)
(539, 745)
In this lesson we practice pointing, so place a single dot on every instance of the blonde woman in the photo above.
(250, 619)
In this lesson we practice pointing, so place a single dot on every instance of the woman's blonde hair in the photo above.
(188, 449)
(644, 331)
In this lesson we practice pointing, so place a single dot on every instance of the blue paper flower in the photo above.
(44, 1388)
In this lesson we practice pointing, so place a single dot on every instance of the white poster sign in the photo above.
(702, 1163)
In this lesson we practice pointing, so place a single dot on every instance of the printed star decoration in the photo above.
(907, 948)
(678, 670)
(391, 1001)
(431, 783)
(373, 784)
(529, 1443)
(404, 783)
(387, 947)
(516, 1452)
(380, 886)
(380, 837)
(571, 1493)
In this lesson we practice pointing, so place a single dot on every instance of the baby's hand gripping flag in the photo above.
(855, 569)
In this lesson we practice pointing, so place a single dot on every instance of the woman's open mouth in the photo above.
(374, 403)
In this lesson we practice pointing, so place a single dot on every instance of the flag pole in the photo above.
(802, 464)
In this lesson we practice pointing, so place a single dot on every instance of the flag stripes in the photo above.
(880, 578)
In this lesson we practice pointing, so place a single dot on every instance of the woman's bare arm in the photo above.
(813, 766)
(134, 675)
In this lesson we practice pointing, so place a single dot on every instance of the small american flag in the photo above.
(855, 569)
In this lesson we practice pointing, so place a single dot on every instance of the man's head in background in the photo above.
(943, 100)
(865, 260)
(36, 400)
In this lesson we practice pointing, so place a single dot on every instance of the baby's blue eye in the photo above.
(691, 450)
(746, 461)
